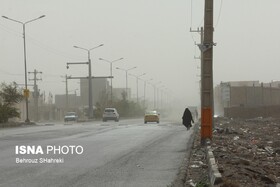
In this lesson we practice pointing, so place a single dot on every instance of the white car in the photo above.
(110, 114)
(71, 116)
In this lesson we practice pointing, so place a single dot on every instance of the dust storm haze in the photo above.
(153, 36)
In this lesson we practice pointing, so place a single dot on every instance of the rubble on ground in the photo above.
(247, 153)
(197, 174)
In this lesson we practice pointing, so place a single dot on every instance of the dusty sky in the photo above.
(150, 34)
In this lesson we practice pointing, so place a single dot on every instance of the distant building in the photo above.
(100, 90)
(229, 96)
(74, 101)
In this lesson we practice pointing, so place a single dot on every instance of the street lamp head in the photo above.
(101, 59)
(75, 46)
(42, 16)
(100, 45)
(5, 17)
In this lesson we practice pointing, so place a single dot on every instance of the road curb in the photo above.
(180, 179)
(214, 175)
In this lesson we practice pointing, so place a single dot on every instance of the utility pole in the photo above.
(66, 92)
(36, 93)
(207, 74)
(201, 31)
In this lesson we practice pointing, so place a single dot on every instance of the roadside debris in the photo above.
(247, 153)
(249, 156)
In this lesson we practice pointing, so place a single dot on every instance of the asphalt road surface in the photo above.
(125, 153)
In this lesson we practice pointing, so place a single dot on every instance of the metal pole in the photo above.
(145, 85)
(25, 66)
(126, 83)
(154, 96)
(90, 110)
(25, 74)
(111, 72)
(67, 98)
(155, 93)
(137, 89)
(145, 94)
(90, 105)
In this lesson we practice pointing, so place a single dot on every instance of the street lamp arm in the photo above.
(104, 60)
(111, 61)
(12, 19)
(88, 50)
(23, 23)
(34, 19)
(131, 68)
(126, 69)
(81, 48)
(141, 75)
(96, 47)
(117, 60)
(120, 68)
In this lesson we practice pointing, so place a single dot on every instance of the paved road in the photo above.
(127, 153)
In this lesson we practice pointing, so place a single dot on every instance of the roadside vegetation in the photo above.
(10, 95)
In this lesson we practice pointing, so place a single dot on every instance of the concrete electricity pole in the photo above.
(66, 92)
(207, 74)
(36, 93)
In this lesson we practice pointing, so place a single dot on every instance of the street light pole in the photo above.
(137, 78)
(145, 82)
(155, 93)
(90, 105)
(111, 73)
(126, 70)
(25, 66)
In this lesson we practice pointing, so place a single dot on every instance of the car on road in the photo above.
(110, 114)
(151, 116)
(71, 116)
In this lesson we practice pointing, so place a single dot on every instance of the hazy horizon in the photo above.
(152, 35)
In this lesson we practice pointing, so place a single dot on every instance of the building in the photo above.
(247, 98)
(73, 102)
(100, 91)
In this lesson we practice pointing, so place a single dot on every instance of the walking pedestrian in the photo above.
(187, 118)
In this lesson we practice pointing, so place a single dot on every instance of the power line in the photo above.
(10, 31)
(191, 11)
(8, 73)
(52, 50)
(219, 15)
(38, 43)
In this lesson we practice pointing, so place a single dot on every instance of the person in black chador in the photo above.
(187, 118)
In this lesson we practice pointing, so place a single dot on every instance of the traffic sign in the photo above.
(26, 93)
